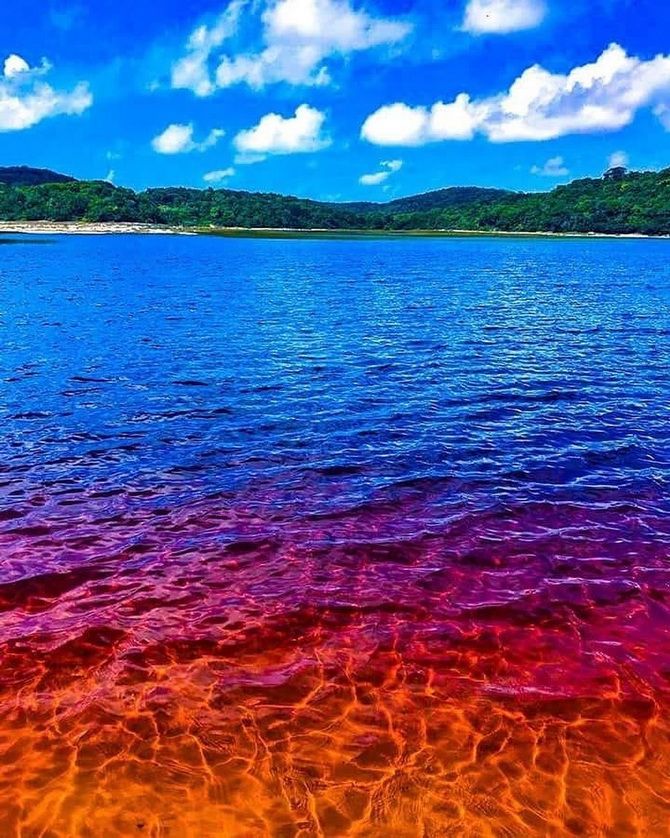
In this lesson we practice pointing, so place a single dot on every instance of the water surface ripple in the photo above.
(334, 538)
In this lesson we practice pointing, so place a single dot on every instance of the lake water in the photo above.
(334, 538)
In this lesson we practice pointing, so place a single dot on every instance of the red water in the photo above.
(359, 673)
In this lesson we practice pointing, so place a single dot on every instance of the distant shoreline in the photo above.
(620, 204)
(118, 227)
(93, 228)
(291, 232)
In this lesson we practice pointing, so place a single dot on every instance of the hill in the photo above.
(635, 202)
(453, 196)
(27, 176)
(437, 199)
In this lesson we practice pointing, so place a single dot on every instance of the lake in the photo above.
(334, 538)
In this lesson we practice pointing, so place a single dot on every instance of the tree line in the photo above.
(634, 202)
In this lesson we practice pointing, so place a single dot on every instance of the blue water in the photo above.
(478, 358)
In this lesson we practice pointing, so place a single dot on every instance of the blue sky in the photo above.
(335, 99)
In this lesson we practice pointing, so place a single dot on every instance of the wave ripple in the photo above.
(330, 538)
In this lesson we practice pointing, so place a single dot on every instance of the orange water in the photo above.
(416, 711)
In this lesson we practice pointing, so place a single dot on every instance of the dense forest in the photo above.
(620, 202)
(28, 176)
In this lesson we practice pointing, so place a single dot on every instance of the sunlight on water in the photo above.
(339, 538)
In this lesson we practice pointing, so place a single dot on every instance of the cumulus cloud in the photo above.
(539, 105)
(554, 167)
(503, 16)
(178, 139)
(388, 167)
(14, 65)
(402, 125)
(297, 36)
(276, 134)
(26, 98)
(218, 175)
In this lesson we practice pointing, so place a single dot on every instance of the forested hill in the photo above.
(438, 199)
(27, 176)
(620, 202)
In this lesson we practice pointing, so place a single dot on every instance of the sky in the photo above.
(335, 99)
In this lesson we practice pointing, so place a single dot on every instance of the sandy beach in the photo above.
(86, 228)
(119, 227)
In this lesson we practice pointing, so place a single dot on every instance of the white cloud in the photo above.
(554, 167)
(192, 70)
(333, 24)
(26, 99)
(374, 179)
(539, 105)
(389, 167)
(276, 134)
(297, 37)
(401, 125)
(663, 113)
(178, 139)
(14, 65)
(617, 159)
(503, 16)
(218, 175)
(246, 158)
(111, 174)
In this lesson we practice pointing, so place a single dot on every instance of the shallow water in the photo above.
(334, 538)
